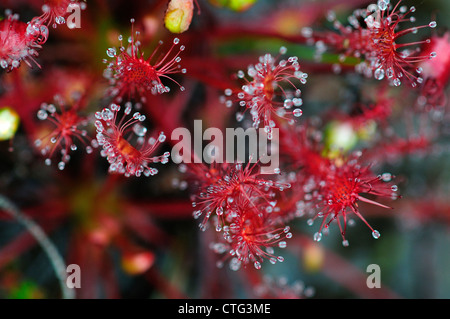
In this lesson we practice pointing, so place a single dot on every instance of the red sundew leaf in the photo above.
(339, 191)
(131, 74)
(115, 135)
(439, 67)
(375, 41)
(436, 73)
(270, 90)
(336, 184)
(19, 42)
(68, 129)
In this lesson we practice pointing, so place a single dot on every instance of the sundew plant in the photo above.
(122, 125)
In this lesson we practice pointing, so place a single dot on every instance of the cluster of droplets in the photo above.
(218, 190)
(388, 61)
(115, 136)
(240, 205)
(372, 37)
(249, 236)
(269, 90)
(19, 41)
(131, 75)
(67, 132)
(337, 190)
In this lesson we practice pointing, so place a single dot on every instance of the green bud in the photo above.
(9, 123)
(339, 137)
(179, 15)
(235, 5)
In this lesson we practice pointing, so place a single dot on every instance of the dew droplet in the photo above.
(376, 234)
(379, 74)
(297, 112)
(42, 115)
(383, 4)
(139, 130)
(235, 264)
(317, 236)
(111, 52)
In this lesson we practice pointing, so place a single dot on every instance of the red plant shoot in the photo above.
(221, 184)
(436, 73)
(376, 41)
(131, 74)
(68, 129)
(115, 135)
(250, 234)
(339, 190)
(19, 42)
(264, 95)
